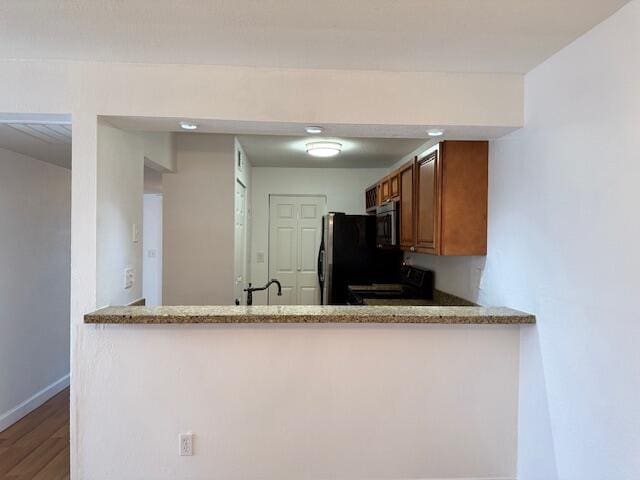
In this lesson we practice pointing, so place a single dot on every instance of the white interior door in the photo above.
(240, 247)
(295, 227)
(283, 243)
(310, 212)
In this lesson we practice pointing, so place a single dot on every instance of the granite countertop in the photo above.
(309, 314)
(401, 302)
(394, 287)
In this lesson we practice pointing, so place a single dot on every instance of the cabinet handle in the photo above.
(412, 249)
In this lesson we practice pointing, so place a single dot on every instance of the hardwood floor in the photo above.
(37, 446)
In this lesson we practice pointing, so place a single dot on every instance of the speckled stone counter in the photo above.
(309, 314)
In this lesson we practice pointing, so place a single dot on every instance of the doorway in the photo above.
(295, 229)
(152, 249)
(35, 304)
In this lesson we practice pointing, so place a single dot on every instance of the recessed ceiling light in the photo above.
(313, 130)
(188, 126)
(324, 149)
(435, 132)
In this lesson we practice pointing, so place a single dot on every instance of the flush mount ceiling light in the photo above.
(313, 130)
(435, 132)
(324, 149)
(188, 126)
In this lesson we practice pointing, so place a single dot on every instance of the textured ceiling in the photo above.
(290, 151)
(402, 35)
(283, 144)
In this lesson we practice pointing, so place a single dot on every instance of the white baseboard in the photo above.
(12, 416)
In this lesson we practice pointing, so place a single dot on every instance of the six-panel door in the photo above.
(295, 228)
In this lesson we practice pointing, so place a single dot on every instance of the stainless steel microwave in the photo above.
(387, 221)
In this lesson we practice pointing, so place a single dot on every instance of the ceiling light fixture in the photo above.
(435, 132)
(313, 130)
(324, 149)
(188, 126)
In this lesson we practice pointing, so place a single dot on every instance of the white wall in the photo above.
(160, 149)
(198, 221)
(152, 250)
(152, 181)
(343, 187)
(35, 233)
(374, 98)
(85, 89)
(120, 190)
(289, 402)
(563, 244)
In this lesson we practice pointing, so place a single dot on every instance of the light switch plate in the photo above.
(475, 278)
(259, 257)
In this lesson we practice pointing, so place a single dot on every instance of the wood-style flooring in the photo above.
(37, 446)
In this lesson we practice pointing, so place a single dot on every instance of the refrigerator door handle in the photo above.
(321, 267)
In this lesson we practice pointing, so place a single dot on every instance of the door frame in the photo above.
(159, 251)
(326, 210)
(245, 243)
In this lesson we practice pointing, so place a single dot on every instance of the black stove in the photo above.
(414, 284)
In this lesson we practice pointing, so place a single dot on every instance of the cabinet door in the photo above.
(427, 204)
(370, 198)
(407, 219)
(385, 190)
(394, 185)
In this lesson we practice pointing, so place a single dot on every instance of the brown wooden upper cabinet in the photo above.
(443, 199)
(427, 215)
(385, 190)
(389, 188)
(394, 186)
(370, 198)
(451, 199)
(407, 219)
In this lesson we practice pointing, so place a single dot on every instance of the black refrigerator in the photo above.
(349, 256)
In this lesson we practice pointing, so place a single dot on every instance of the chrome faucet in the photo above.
(251, 289)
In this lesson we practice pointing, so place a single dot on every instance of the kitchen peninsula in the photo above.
(303, 391)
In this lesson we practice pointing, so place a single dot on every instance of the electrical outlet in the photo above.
(186, 444)
(259, 257)
(128, 278)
